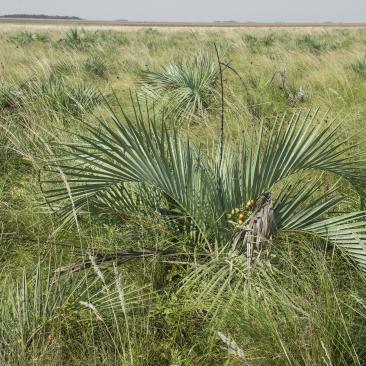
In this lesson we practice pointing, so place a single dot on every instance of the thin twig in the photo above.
(118, 257)
(249, 99)
(228, 66)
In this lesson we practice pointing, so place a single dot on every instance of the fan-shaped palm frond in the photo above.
(184, 88)
(128, 156)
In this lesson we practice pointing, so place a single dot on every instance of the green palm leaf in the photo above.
(348, 232)
(178, 175)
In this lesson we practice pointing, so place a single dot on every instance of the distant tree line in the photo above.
(38, 16)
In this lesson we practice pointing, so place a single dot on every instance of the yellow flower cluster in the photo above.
(239, 215)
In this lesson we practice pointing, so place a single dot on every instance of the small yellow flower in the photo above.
(237, 210)
(229, 216)
(232, 211)
(241, 216)
(50, 338)
(240, 222)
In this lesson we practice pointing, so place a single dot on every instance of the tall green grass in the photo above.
(53, 93)
(302, 303)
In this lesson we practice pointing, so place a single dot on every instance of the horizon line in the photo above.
(59, 18)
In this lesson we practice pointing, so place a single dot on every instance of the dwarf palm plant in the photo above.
(96, 66)
(142, 166)
(61, 95)
(55, 93)
(316, 44)
(73, 36)
(358, 66)
(24, 38)
(184, 88)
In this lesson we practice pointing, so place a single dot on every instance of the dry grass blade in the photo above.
(233, 348)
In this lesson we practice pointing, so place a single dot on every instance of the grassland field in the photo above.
(306, 307)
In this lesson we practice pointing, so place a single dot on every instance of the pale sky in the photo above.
(196, 10)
